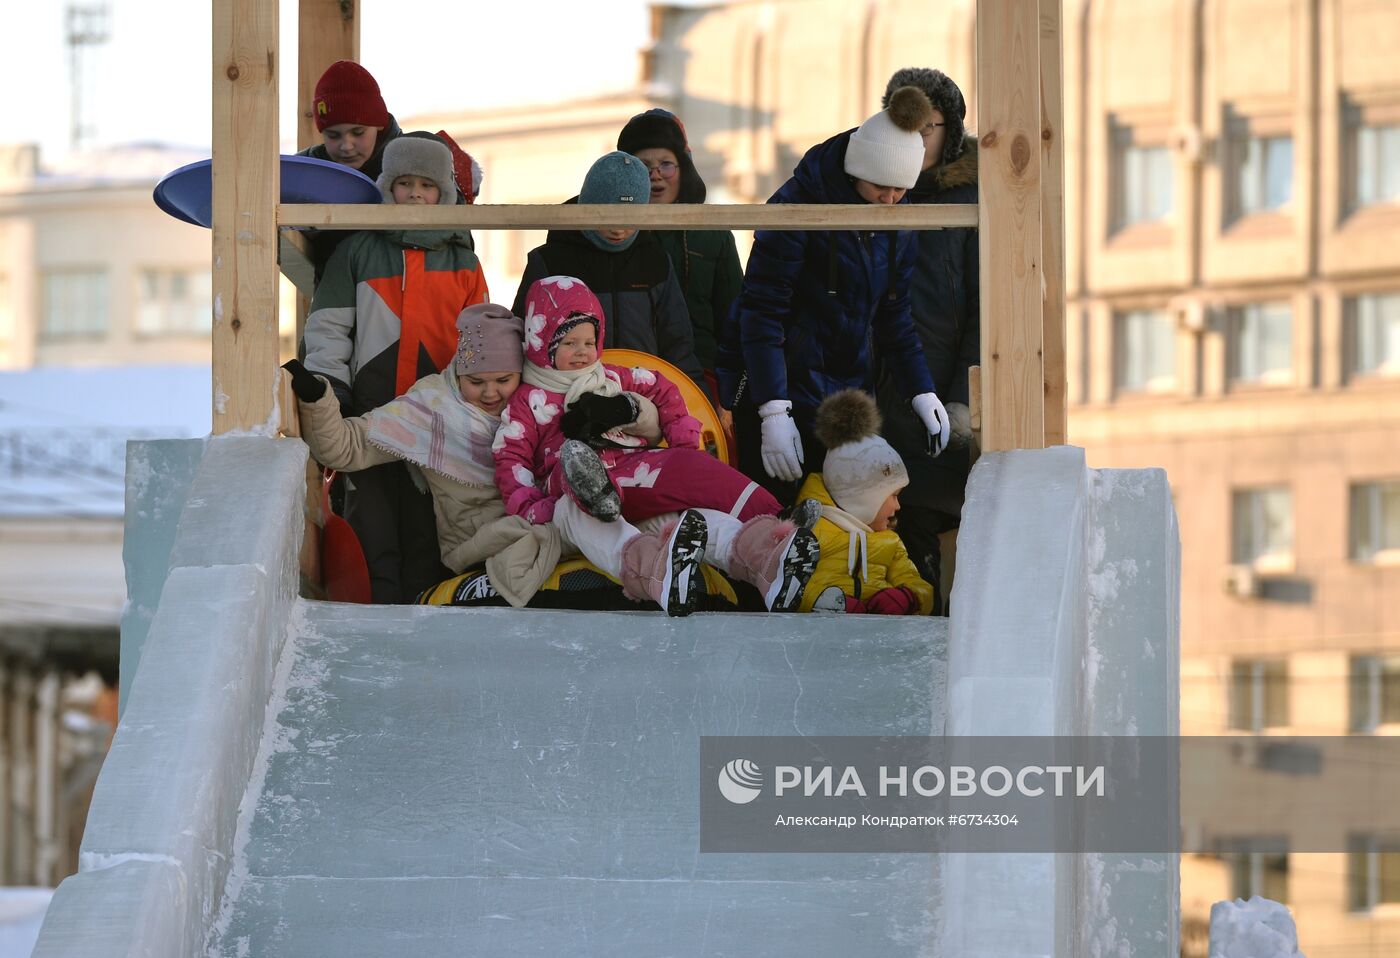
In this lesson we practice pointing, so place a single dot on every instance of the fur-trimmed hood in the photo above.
(961, 172)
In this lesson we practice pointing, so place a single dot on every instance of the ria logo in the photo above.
(740, 781)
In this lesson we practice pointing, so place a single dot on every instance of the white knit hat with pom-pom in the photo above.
(861, 469)
(888, 148)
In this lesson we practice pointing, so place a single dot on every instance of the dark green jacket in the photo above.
(707, 266)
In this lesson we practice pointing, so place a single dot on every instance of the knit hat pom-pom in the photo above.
(847, 416)
(910, 108)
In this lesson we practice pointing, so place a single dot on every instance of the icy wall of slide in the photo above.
(265, 739)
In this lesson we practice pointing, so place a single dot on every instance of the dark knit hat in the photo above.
(662, 129)
(346, 93)
(946, 98)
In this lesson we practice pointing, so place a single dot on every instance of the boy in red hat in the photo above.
(352, 119)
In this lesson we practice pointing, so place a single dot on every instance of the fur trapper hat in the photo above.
(888, 149)
(662, 129)
(553, 306)
(861, 469)
(419, 154)
(347, 93)
(946, 98)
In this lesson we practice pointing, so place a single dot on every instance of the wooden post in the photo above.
(245, 172)
(327, 31)
(1052, 222)
(1009, 124)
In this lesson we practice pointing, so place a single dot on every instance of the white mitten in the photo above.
(930, 409)
(782, 446)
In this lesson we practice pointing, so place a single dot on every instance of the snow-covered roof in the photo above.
(63, 432)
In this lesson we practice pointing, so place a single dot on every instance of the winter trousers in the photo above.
(672, 480)
(394, 522)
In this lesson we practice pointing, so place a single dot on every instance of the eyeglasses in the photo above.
(929, 128)
(666, 168)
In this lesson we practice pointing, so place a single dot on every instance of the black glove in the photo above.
(592, 415)
(304, 383)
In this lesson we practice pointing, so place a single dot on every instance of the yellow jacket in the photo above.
(855, 559)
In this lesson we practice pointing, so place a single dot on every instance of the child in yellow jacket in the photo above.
(864, 567)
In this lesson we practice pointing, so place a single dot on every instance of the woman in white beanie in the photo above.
(814, 302)
(863, 565)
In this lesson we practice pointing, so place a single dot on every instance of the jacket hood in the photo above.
(821, 172)
(431, 239)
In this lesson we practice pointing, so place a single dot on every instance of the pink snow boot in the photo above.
(665, 568)
(776, 557)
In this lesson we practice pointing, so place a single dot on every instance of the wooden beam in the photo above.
(245, 173)
(327, 31)
(1052, 222)
(861, 216)
(1008, 98)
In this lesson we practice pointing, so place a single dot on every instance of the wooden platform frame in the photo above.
(1020, 210)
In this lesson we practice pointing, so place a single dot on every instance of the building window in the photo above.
(1373, 332)
(1145, 351)
(1262, 533)
(1375, 174)
(1374, 692)
(1142, 185)
(1261, 343)
(174, 302)
(1373, 872)
(1258, 866)
(1261, 175)
(75, 304)
(1258, 694)
(1375, 520)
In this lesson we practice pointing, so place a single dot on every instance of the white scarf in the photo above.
(433, 427)
(857, 546)
(573, 383)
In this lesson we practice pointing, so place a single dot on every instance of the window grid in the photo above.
(1263, 175)
(1258, 695)
(1262, 528)
(1375, 519)
(1375, 692)
(1374, 319)
(75, 304)
(1373, 872)
(1146, 351)
(174, 302)
(1376, 174)
(1261, 343)
(1142, 186)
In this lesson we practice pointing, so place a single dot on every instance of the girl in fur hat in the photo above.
(567, 447)
(863, 566)
(814, 302)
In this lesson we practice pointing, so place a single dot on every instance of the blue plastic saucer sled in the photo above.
(187, 193)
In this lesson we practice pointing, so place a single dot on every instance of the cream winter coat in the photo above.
(472, 524)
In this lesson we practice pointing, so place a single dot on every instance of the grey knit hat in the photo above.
(418, 154)
(946, 98)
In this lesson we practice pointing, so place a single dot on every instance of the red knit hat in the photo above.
(346, 93)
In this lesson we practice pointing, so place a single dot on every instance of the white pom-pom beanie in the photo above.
(881, 153)
(861, 475)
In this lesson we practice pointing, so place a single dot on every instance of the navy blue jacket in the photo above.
(815, 305)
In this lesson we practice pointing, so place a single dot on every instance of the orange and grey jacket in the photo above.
(385, 312)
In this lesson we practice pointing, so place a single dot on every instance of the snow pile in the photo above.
(1258, 928)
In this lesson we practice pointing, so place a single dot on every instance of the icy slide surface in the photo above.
(446, 782)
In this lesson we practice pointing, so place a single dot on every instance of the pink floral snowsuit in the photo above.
(649, 481)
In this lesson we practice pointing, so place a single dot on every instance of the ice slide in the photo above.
(294, 778)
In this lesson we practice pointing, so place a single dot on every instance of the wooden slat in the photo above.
(244, 210)
(1052, 222)
(861, 216)
(327, 31)
(1008, 97)
(974, 408)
